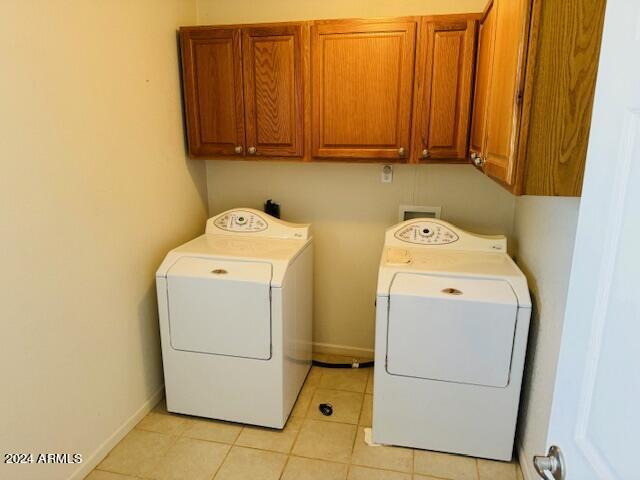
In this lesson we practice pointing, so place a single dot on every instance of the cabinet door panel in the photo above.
(445, 69)
(507, 82)
(273, 90)
(362, 74)
(484, 63)
(212, 75)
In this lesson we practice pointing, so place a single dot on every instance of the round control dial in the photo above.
(426, 232)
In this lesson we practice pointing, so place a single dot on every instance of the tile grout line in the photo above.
(293, 444)
(382, 469)
(355, 439)
(355, 465)
(224, 459)
(290, 452)
(175, 439)
(284, 467)
(295, 455)
(170, 435)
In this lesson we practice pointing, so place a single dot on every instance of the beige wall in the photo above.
(545, 229)
(245, 11)
(350, 209)
(94, 189)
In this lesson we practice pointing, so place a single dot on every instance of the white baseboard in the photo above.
(526, 464)
(346, 350)
(96, 457)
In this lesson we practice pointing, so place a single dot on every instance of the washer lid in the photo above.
(452, 263)
(278, 252)
(220, 307)
(221, 270)
(451, 329)
(446, 287)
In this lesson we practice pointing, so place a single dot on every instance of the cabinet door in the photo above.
(362, 85)
(272, 61)
(444, 73)
(212, 76)
(504, 107)
(484, 63)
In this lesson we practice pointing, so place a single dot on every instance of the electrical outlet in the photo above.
(387, 174)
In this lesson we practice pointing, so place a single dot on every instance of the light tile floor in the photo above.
(165, 446)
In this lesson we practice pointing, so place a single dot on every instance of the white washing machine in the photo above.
(235, 310)
(452, 320)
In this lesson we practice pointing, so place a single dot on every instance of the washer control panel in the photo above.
(424, 232)
(241, 221)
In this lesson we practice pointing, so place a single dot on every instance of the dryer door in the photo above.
(220, 307)
(451, 329)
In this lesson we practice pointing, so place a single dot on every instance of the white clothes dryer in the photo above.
(452, 320)
(235, 309)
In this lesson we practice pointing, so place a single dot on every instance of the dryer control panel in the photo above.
(436, 233)
(254, 223)
(426, 233)
(240, 221)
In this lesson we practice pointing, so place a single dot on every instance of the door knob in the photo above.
(552, 465)
(238, 149)
(425, 153)
(251, 150)
(401, 151)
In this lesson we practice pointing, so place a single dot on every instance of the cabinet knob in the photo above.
(401, 152)
(238, 149)
(425, 153)
(251, 150)
(477, 160)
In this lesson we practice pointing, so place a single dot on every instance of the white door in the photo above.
(595, 419)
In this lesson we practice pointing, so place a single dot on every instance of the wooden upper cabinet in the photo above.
(444, 75)
(213, 97)
(507, 86)
(500, 87)
(530, 124)
(273, 95)
(484, 62)
(348, 89)
(362, 86)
